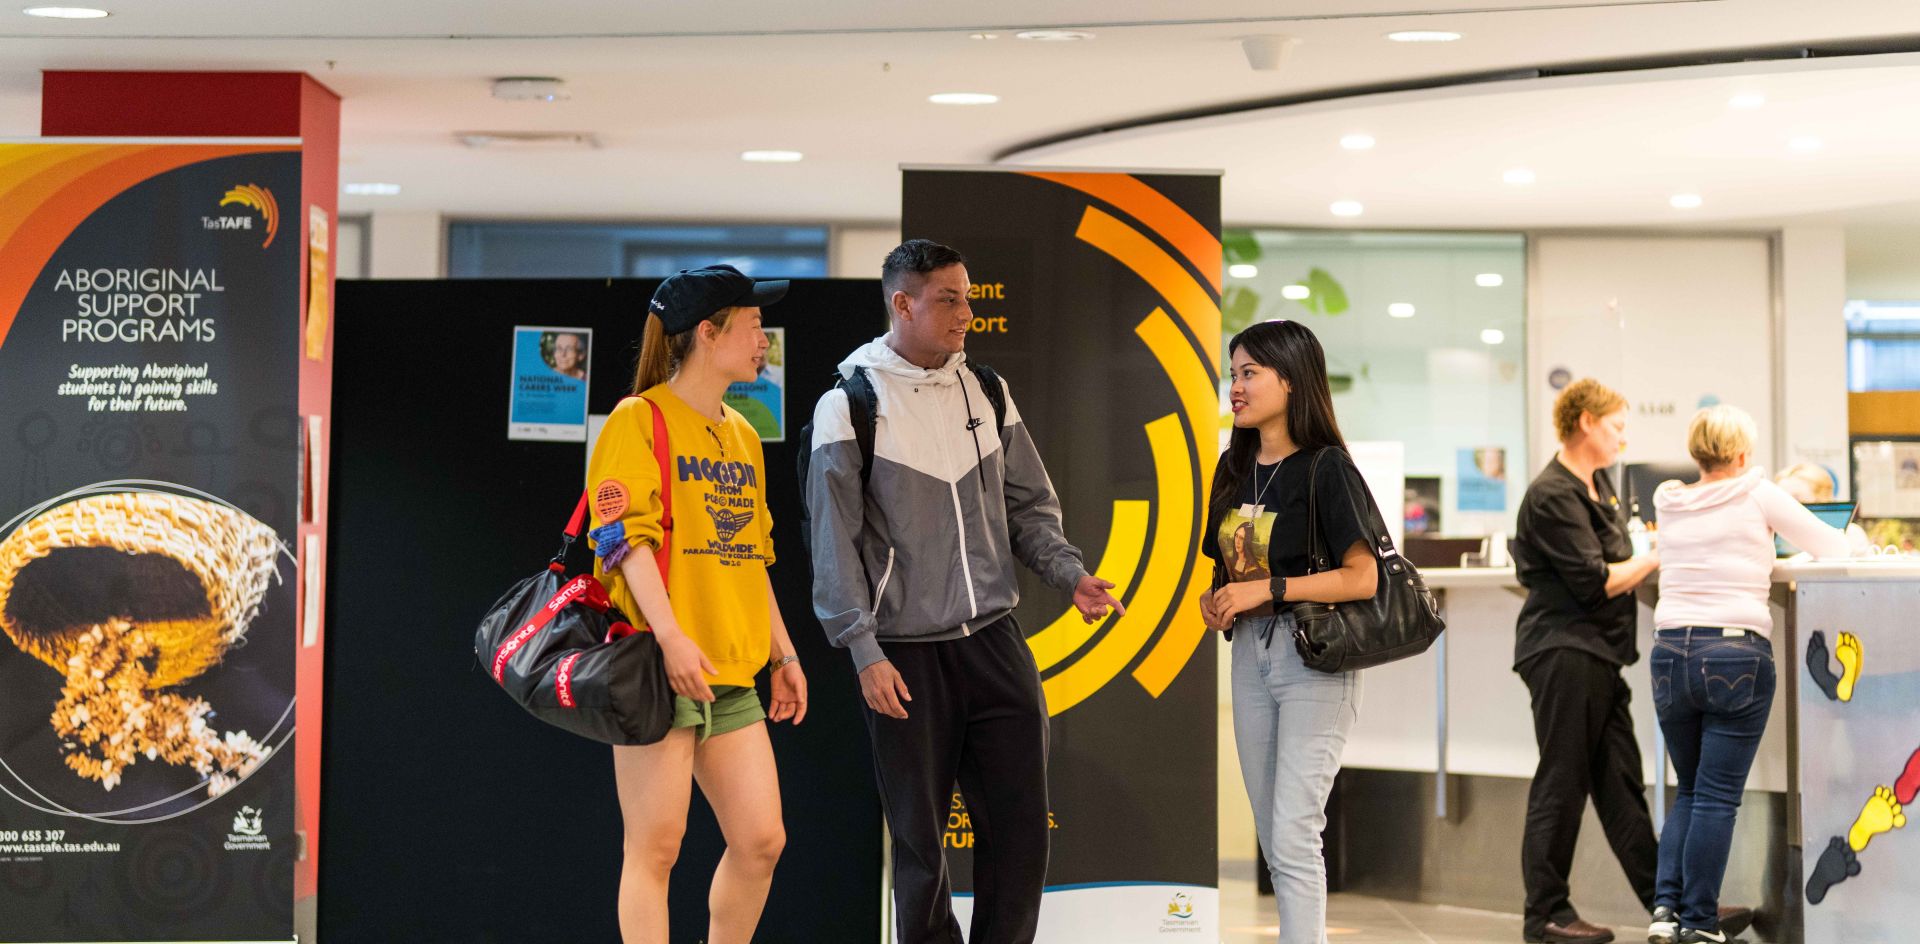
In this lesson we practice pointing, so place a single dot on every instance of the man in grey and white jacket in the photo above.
(913, 573)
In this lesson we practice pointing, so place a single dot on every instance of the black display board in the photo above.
(448, 814)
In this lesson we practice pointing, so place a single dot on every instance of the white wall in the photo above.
(408, 244)
(1883, 261)
(412, 245)
(1667, 321)
(1812, 346)
(855, 251)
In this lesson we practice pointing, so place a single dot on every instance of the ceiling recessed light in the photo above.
(1806, 143)
(1400, 309)
(1489, 280)
(771, 157)
(963, 98)
(1747, 100)
(1423, 36)
(1518, 176)
(370, 190)
(1357, 142)
(1684, 201)
(1493, 336)
(1347, 208)
(1295, 292)
(1053, 35)
(66, 13)
(1241, 270)
(531, 88)
(984, 36)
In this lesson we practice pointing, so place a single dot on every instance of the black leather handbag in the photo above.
(1401, 619)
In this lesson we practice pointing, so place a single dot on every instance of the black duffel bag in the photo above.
(1401, 619)
(563, 651)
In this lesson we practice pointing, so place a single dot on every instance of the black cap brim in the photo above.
(766, 293)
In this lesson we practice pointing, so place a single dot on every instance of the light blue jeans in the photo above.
(1290, 724)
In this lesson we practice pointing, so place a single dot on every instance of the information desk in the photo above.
(1843, 747)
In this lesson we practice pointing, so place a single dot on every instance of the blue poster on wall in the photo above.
(1483, 479)
(549, 394)
(763, 400)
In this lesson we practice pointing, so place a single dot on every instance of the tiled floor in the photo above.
(1248, 918)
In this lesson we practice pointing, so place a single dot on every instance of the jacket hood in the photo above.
(1673, 496)
(876, 355)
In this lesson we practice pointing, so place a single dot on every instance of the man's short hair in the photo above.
(911, 260)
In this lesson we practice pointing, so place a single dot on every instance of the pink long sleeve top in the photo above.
(1716, 549)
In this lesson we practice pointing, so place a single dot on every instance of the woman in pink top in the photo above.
(1712, 663)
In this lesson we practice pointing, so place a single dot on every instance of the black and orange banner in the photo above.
(149, 489)
(1097, 296)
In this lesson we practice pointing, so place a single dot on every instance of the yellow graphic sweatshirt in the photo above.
(722, 534)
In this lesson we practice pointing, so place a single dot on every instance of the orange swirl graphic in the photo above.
(259, 198)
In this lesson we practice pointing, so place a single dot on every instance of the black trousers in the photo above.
(977, 716)
(1587, 748)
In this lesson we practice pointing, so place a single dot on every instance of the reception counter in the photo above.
(1460, 716)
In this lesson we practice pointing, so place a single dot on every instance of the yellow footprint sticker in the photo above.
(1852, 657)
(1881, 813)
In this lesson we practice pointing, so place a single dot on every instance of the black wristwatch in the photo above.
(1279, 587)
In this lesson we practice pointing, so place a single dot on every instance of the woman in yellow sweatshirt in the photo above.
(688, 558)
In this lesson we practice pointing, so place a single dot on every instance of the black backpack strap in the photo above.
(863, 410)
(996, 393)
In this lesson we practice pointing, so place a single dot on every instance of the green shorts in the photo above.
(733, 707)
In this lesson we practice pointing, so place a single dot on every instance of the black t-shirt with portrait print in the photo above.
(1275, 542)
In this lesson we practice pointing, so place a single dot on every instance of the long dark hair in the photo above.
(1295, 354)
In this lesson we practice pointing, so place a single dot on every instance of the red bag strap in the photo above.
(579, 519)
(664, 556)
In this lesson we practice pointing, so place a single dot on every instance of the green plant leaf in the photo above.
(1240, 246)
(1328, 297)
(1238, 307)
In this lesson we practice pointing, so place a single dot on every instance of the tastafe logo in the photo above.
(258, 198)
(728, 523)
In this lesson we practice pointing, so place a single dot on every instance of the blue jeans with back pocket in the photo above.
(1713, 690)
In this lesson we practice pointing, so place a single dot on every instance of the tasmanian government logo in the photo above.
(253, 197)
(1180, 919)
(248, 824)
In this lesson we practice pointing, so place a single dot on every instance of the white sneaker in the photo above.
(1664, 929)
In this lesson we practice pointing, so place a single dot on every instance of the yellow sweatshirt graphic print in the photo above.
(722, 536)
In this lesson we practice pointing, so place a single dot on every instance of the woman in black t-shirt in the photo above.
(1290, 722)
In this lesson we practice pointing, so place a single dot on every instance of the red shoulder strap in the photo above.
(660, 455)
(664, 556)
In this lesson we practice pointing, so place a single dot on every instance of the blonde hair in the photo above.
(1719, 435)
(1819, 483)
(662, 354)
(1585, 395)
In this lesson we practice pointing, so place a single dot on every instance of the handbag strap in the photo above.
(662, 557)
(1370, 520)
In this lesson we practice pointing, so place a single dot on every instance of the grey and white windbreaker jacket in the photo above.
(926, 550)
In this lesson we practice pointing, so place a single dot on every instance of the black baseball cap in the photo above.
(687, 298)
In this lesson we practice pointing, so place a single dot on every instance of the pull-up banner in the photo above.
(149, 488)
(1097, 297)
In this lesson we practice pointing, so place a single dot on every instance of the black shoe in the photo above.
(1665, 929)
(1697, 936)
(1735, 919)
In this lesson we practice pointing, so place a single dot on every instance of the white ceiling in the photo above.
(677, 89)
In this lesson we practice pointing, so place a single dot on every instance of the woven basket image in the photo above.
(187, 573)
